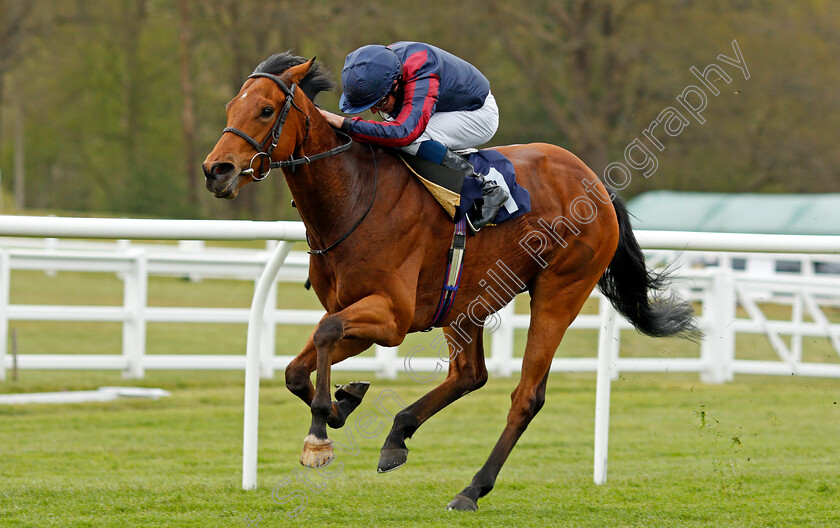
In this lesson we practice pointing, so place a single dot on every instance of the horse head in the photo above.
(267, 121)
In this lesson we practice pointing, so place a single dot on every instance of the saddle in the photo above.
(456, 194)
(443, 183)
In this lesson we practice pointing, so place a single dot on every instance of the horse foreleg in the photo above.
(466, 374)
(372, 319)
(348, 396)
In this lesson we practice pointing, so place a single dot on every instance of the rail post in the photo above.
(253, 362)
(501, 344)
(269, 333)
(5, 277)
(606, 366)
(717, 349)
(387, 358)
(135, 295)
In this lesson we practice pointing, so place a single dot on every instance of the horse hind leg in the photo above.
(466, 374)
(347, 398)
(551, 315)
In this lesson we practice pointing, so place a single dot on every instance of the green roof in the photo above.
(793, 214)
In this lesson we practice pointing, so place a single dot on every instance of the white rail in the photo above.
(740, 242)
(719, 290)
(147, 229)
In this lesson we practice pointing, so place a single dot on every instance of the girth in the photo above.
(452, 278)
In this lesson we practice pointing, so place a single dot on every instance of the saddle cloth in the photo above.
(456, 198)
(494, 166)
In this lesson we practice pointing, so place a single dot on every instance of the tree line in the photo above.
(110, 107)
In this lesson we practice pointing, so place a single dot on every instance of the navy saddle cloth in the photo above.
(493, 165)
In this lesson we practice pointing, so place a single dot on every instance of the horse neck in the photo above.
(329, 191)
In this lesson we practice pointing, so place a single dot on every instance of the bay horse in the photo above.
(381, 244)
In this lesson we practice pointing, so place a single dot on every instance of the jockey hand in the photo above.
(334, 120)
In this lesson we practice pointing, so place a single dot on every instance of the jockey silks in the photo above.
(434, 80)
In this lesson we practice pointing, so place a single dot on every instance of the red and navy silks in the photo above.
(434, 80)
(483, 161)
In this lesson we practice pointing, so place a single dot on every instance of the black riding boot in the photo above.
(493, 196)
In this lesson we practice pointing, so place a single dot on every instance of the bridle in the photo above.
(273, 136)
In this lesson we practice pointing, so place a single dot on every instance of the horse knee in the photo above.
(539, 397)
(297, 377)
(535, 402)
(328, 332)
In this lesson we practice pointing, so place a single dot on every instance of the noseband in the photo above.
(273, 136)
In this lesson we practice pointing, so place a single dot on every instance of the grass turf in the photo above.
(759, 451)
(754, 452)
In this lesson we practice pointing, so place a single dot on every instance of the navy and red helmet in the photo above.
(367, 76)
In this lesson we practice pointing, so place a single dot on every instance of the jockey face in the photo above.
(387, 103)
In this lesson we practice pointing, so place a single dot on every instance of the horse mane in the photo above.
(316, 81)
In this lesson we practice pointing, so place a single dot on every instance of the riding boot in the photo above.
(484, 209)
(493, 195)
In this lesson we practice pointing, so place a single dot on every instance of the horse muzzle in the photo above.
(223, 179)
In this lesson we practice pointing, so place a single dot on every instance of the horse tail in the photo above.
(640, 294)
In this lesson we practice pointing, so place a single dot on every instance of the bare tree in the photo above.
(250, 31)
(14, 18)
(134, 16)
(570, 53)
(188, 108)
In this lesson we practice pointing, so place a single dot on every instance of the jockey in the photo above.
(432, 101)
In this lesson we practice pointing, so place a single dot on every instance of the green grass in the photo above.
(755, 452)
(760, 451)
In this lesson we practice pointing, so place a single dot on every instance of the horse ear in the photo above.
(296, 73)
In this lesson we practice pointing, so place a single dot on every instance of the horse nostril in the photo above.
(220, 170)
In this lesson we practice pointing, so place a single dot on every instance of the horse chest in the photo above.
(336, 292)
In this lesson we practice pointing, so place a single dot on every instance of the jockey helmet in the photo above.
(367, 76)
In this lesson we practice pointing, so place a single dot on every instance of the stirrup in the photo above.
(473, 229)
(493, 198)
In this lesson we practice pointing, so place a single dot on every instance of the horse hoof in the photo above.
(354, 391)
(391, 458)
(462, 503)
(316, 452)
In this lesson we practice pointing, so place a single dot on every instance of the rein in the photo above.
(274, 135)
(358, 222)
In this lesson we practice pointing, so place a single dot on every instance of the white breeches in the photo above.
(463, 129)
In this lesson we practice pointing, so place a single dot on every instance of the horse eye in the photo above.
(267, 111)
